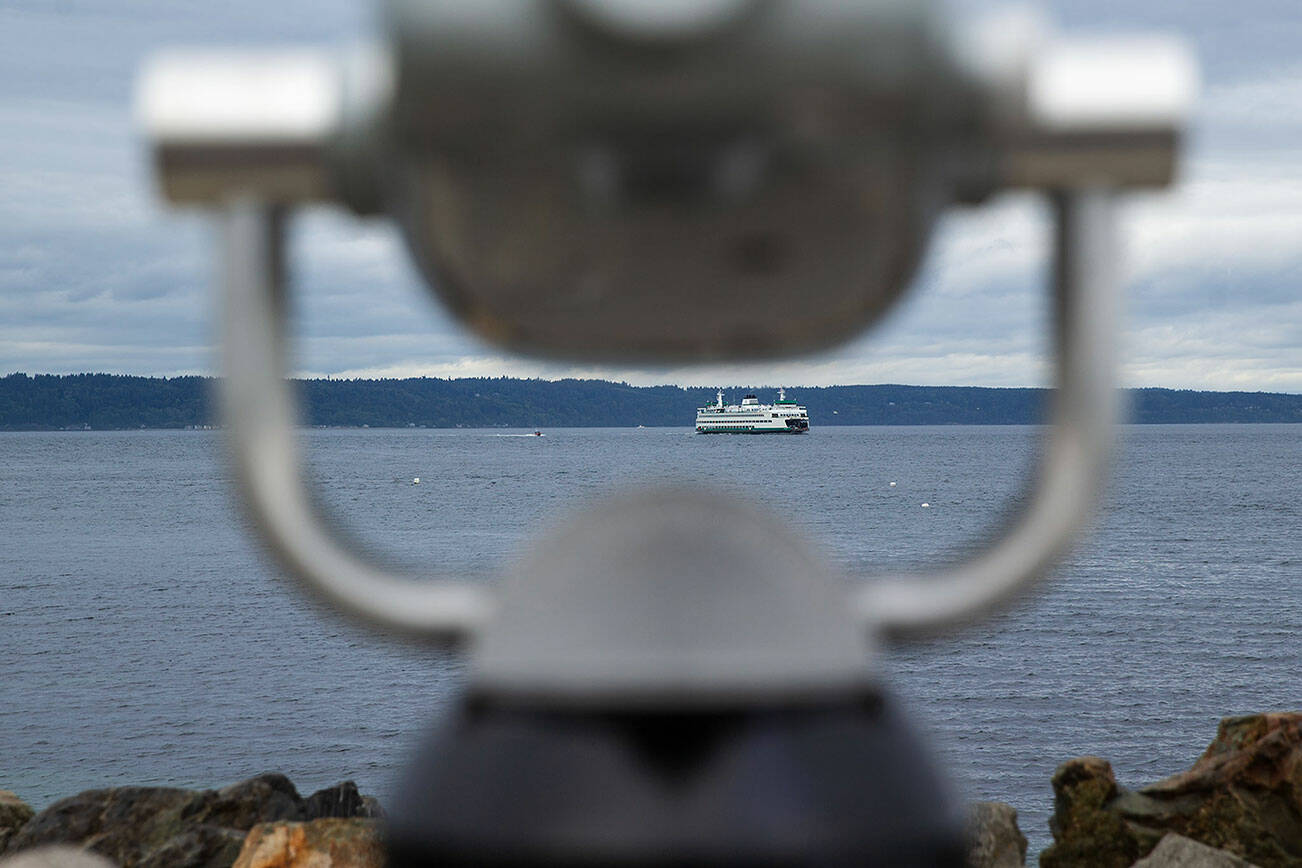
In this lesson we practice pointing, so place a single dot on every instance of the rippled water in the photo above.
(144, 640)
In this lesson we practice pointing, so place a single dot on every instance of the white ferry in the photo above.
(752, 417)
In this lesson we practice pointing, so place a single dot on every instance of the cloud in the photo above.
(1266, 104)
(96, 275)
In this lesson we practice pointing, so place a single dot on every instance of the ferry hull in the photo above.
(753, 431)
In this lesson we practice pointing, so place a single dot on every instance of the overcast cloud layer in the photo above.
(95, 276)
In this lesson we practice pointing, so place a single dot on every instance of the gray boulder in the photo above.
(994, 840)
(1177, 851)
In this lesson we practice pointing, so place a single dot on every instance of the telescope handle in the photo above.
(259, 409)
(1074, 461)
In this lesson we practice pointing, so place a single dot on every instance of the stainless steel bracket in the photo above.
(1076, 447)
(260, 411)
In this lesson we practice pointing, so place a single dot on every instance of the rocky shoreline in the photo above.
(167, 827)
(1239, 805)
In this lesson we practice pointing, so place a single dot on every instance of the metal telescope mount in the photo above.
(627, 180)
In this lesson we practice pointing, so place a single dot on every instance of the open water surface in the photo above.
(144, 639)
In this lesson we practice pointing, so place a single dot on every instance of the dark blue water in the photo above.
(144, 640)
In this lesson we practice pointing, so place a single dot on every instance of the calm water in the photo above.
(144, 640)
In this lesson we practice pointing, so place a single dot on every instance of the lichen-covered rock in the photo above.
(14, 814)
(123, 824)
(258, 800)
(197, 847)
(1244, 796)
(1177, 851)
(165, 827)
(1085, 831)
(994, 841)
(326, 843)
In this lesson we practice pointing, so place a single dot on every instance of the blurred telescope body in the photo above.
(627, 180)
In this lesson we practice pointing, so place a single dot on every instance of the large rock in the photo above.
(328, 843)
(14, 814)
(1244, 795)
(164, 827)
(341, 800)
(1085, 831)
(994, 841)
(1177, 851)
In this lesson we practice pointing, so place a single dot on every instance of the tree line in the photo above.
(110, 401)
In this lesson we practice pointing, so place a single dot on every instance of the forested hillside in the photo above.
(101, 401)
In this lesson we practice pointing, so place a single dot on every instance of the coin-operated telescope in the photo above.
(669, 180)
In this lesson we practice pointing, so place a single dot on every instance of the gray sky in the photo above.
(96, 276)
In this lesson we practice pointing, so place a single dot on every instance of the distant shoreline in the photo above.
(46, 402)
(211, 429)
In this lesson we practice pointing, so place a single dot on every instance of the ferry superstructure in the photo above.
(752, 417)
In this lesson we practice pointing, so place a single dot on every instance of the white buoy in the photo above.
(892, 485)
(415, 480)
(926, 506)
